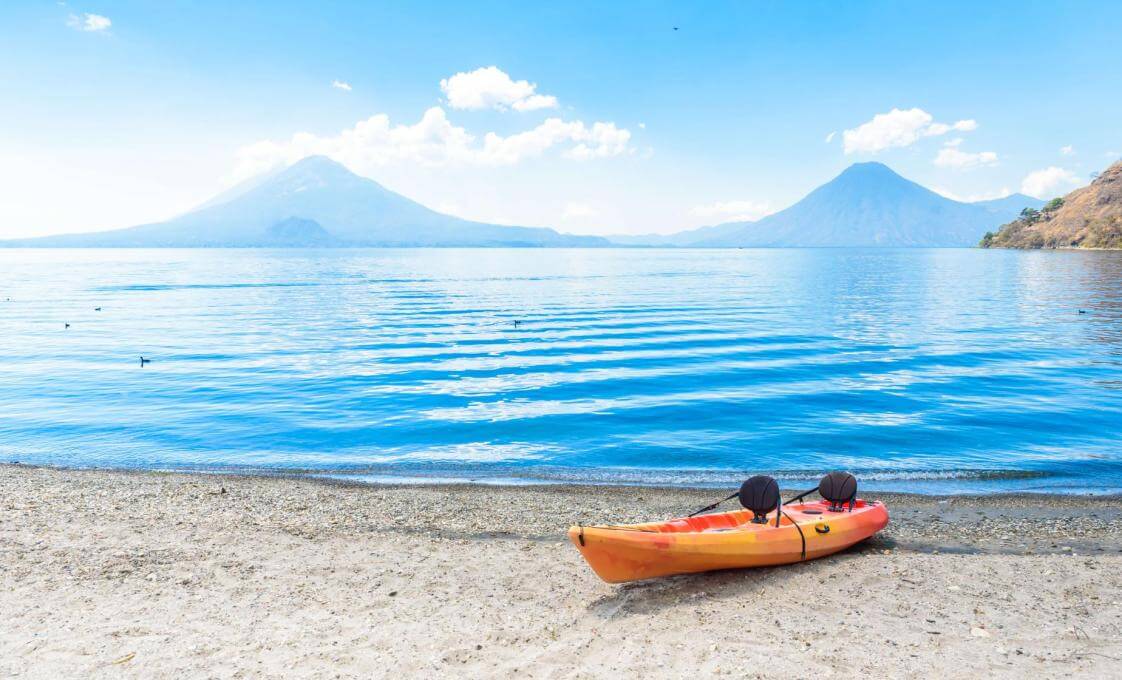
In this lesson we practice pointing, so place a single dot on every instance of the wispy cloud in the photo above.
(1068, 150)
(341, 85)
(898, 128)
(93, 23)
(830, 137)
(973, 198)
(491, 88)
(1048, 182)
(735, 211)
(579, 211)
(951, 156)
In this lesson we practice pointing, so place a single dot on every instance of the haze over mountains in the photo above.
(317, 202)
(867, 205)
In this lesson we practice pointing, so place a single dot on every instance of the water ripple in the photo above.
(923, 370)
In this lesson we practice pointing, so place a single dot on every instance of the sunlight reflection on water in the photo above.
(928, 370)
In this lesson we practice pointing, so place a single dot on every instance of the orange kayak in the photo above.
(727, 540)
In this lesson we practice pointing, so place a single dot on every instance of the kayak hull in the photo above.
(728, 540)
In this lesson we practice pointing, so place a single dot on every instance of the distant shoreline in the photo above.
(1062, 248)
(349, 480)
(612, 246)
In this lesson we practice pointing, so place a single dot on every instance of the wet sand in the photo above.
(118, 574)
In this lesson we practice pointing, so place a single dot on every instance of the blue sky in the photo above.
(118, 113)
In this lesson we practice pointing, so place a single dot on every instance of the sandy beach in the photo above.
(115, 574)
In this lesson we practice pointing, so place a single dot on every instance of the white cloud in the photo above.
(535, 102)
(491, 88)
(94, 23)
(1067, 150)
(898, 128)
(600, 141)
(950, 156)
(448, 208)
(733, 210)
(341, 85)
(936, 129)
(434, 141)
(372, 142)
(1048, 182)
(642, 126)
(973, 198)
(830, 137)
(579, 211)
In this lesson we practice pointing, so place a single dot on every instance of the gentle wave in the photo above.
(206, 286)
(920, 370)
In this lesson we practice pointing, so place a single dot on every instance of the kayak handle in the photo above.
(822, 528)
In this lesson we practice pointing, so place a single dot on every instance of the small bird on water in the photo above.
(1083, 311)
(144, 361)
(66, 325)
(97, 309)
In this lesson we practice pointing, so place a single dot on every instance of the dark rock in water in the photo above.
(297, 231)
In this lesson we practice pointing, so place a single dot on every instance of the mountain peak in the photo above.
(317, 161)
(318, 202)
(317, 165)
(867, 205)
(869, 169)
(871, 178)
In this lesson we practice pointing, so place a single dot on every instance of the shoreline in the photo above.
(346, 477)
(137, 573)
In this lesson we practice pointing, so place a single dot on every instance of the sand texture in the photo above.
(149, 575)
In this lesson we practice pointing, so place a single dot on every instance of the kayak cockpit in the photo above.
(743, 519)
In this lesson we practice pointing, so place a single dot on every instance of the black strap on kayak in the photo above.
(800, 496)
(707, 508)
(802, 555)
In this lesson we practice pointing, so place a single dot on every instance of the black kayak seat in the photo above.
(760, 494)
(839, 489)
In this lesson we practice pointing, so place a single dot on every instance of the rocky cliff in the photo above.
(1090, 217)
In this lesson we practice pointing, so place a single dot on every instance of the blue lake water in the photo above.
(919, 370)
